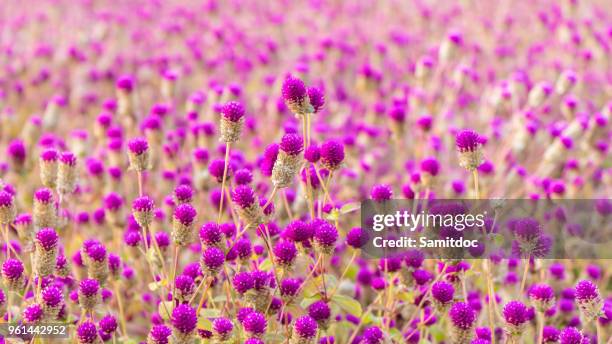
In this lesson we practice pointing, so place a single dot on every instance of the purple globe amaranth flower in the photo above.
(184, 321)
(289, 287)
(183, 194)
(463, 318)
(526, 229)
(243, 177)
(254, 341)
(108, 324)
(142, 209)
(414, 258)
(243, 282)
(542, 297)
(285, 253)
(244, 196)
(381, 193)
(33, 313)
(12, 274)
(16, 152)
(469, 146)
(52, 296)
(550, 335)
(305, 327)
(184, 287)
(373, 335)
(589, 300)
(316, 98)
(87, 333)
(356, 238)
(125, 83)
(47, 239)
(295, 96)
(242, 248)
(442, 293)
(159, 334)
(185, 214)
(570, 335)
(7, 208)
(332, 154)
(431, 167)
(320, 312)
(210, 234)
(216, 168)
(138, 145)
(292, 144)
(182, 224)
(325, 237)
(113, 202)
(299, 231)
(89, 287)
(312, 153)
(255, 324)
(212, 260)
(222, 328)
(68, 158)
(233, 111)
(516, 315)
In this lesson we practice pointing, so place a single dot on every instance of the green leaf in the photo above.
(165, 309)
(307, 301)
(437, 333)
(333, 215)
(395, 334)
(210, 313)
(204, 324)
(498, 239)
(266, 265)
(350, 207)
(348, 304)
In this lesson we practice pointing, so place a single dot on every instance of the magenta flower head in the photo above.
(52, 301)
(589, 300)
(463, 318)
(142, 209)
(295, 96)
(381, 193)
(248, 207)
(285, 254)
(138, 154)
(183, 194)
(356, 238)
(325, 237)
(8, 211)
(16, 152)
(321, 313)
(89, 294)
(317, 98)
(255, 324)
(332, 155)
(430, 168)
(373, 335)
(159, 334)
(288, 161)
(212, 260)
(570, 335)
(45, 214)
(305, 327)
(125, 83)
(269, 159)
(67, 173)
(442, 293)
(542, 297)
(550, 335)
(108, 324)
(182, 224)
(48, 167)
(45, 254)
(184, 322)
(33, 314)
(184, 287)
(231, 122)
(12, 274)
(469, 146)
(516, 315)
(312, 153)
(289, 288)
(243, 282)
(243, 177)
(211, 235)
(222, 329)
(87, 333)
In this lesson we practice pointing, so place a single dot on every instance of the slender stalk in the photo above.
(487, 269)
(524, 279)
(121, 311)
(140, 187)
(225, 166)
(476, 188)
